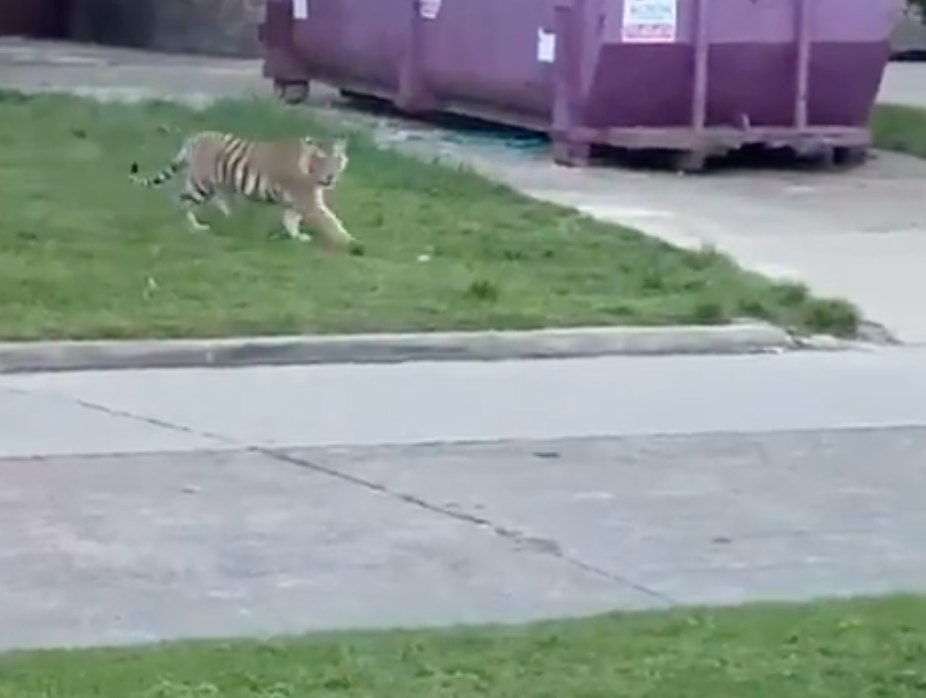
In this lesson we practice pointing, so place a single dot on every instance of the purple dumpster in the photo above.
(698, 77)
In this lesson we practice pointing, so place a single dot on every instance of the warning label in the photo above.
(649, 21)
(428, 9)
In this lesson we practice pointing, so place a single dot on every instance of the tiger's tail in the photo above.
(180, 161)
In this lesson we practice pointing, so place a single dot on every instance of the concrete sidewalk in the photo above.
(451, 402)
(141, 506)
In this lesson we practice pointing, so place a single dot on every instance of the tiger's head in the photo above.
(326, 167)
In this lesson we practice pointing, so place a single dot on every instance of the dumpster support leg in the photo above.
(802, 64)
(410, 97)
(568, 150)
(694, 159)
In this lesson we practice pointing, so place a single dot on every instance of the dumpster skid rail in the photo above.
(696, 77)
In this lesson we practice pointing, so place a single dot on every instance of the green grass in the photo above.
(857, 649)
(899, 128)
(85, 254)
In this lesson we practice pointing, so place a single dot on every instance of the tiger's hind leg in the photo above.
(291, 221)
(195, 225)
(221, 201)
(191, 197)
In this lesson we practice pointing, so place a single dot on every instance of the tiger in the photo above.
(294, 173)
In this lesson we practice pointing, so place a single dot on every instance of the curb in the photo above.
(746, 338)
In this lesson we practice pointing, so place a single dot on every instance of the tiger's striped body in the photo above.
(293, 173)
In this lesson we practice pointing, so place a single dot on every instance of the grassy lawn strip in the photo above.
(899, 128)
(85, 254)
(821, 650)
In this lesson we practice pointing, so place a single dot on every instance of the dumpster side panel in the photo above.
(848, 51)
(752, 65)
(491, 54)
(354, 42)
(642, 84)
(848, 61)
(734, 67)
(844, 82)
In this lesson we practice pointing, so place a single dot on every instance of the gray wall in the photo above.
(214, 27)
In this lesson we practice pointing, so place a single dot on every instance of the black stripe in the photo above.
(191, 197)
(230, 153)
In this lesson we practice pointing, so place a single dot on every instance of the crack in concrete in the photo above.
(518, 539)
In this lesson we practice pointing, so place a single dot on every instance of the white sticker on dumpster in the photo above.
(546, 46)
(650, 21)
(429, 9)
(300, 9)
